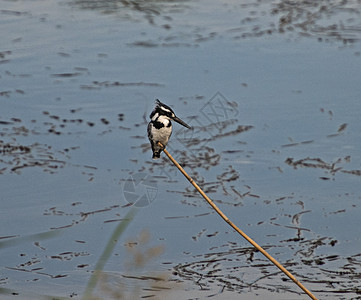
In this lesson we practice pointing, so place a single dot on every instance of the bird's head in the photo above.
(162, 110)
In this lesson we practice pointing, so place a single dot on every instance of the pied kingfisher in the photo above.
(160, 127)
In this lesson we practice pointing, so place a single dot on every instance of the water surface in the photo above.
(272, 90)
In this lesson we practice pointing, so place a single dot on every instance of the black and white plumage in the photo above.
(160, 126)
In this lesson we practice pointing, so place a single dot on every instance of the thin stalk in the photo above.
(108, 250)
(230, 223)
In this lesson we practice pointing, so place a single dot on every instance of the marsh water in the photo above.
(272, 90)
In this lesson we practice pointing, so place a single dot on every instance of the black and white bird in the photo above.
(160, 127)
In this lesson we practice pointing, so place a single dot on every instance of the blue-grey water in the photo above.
(273, 92)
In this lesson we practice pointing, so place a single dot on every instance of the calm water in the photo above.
(272, 90)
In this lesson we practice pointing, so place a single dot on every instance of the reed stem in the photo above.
(230, 223)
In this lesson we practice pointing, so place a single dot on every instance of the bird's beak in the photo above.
(181, 122)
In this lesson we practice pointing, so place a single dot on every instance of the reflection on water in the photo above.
(326, 21)
(277, 147)
(153, 7)
(320, 19)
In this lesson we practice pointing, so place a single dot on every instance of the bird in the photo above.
(160, 127)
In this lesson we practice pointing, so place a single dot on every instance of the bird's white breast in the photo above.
(162, 135)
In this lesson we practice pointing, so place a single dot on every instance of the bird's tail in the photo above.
(156, 154)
